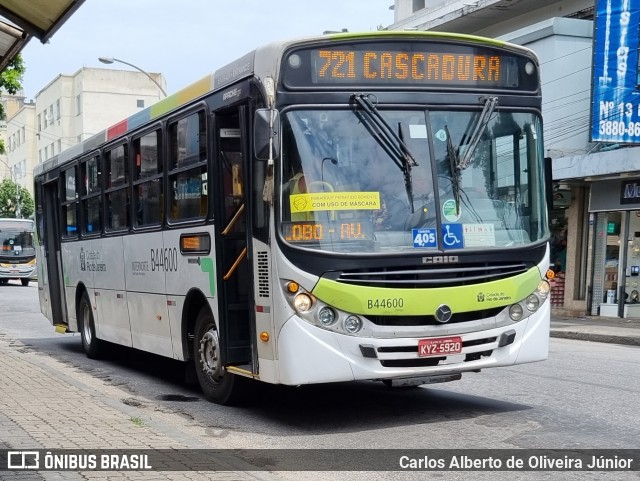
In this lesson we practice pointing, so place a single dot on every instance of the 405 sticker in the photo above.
(385, 303)
(164, 259)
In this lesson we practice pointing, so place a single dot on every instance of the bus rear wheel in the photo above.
(217, 384)
(90, 343)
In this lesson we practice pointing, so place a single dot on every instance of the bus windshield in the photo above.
(16, 240)
(349, 186)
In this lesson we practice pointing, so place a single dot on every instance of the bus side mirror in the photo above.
(266, 134)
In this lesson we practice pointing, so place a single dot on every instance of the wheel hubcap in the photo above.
(86, 327)
(210, 355)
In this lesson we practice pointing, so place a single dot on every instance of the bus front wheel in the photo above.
(218, 385)
(90, 343)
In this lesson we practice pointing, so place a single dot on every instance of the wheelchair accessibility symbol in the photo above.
(452, 236)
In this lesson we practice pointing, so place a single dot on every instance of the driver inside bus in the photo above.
(395, 213)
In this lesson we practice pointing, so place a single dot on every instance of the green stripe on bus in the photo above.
(206, 265)
(414, 302)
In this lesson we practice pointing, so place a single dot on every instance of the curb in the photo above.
(606, 338)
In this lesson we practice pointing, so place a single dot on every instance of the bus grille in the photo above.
(431, 320)
(416, 277)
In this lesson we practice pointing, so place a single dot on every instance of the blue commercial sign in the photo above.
(615, 115)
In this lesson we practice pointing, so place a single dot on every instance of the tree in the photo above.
(11, 81)
(8, 192)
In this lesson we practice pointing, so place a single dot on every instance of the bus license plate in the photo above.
(440, 346)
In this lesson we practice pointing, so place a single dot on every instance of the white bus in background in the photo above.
(17, 251)
(345, 207)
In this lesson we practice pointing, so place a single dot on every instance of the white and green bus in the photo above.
(345, 207)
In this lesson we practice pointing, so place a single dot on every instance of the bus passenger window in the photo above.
(90, 191)
(70, 204)
(92, 217)
(188, 196)
(148, 193)
(149, 208)
(117, 194)
(117, 167)
(118, 210)
(188, 140)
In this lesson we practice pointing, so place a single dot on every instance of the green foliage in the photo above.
(11, 77)
(11, 81)
(8, 200)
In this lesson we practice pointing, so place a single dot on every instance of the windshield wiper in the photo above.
(454, 166)
(457, 162)
(391, 142)
(490, 105)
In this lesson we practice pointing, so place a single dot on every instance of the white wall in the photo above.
(107, 97)
(564, 47)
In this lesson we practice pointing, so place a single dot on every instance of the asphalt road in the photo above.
(584, 396)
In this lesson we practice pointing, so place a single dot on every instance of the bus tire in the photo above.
(25, 282)
(217, 384)
(90, 343)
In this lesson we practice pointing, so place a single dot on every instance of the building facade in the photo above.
(595, 220)
(69, 109)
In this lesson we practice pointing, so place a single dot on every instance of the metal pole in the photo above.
(109, 60)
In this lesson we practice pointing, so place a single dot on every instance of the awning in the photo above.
(21, 20)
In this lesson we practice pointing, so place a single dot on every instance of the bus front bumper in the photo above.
(18, 271)
(308, 354)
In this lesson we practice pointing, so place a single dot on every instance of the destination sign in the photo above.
(324, 231)
(409, 64)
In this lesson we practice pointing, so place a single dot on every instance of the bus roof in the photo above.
(246, 66)
(13, 223)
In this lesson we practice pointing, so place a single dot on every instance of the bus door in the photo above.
(49, 230)
(232, 247)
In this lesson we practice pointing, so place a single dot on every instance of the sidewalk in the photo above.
(597, 329)
(48, 405)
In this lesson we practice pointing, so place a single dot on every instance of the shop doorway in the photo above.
(617, 268)
(558, 228)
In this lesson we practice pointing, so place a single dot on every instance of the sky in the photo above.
(187, 39)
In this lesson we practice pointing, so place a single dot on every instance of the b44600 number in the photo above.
(385, 303)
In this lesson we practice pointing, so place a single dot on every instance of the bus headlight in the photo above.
(302, 302)
(516, 312)
(543, 288)
(320, 314)
(327, 316)
(352, 324)
(532, 302)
